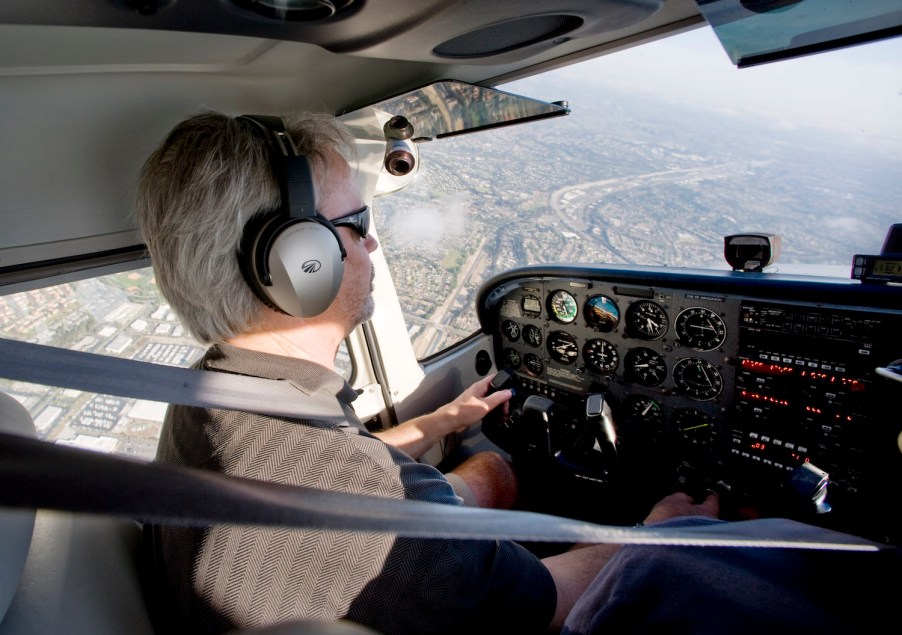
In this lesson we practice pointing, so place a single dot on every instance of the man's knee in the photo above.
(491, 478)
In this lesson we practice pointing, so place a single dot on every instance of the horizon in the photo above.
(854, 91)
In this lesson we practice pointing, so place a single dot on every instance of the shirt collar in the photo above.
(308, 376)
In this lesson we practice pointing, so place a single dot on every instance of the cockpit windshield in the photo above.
(668, 149)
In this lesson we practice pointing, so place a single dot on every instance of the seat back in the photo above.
(67, 573)
(16, 525)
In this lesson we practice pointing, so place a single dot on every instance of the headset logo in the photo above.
(311, 266)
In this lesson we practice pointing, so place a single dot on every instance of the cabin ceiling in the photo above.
(90, 87)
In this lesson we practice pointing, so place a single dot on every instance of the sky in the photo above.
(856, 91)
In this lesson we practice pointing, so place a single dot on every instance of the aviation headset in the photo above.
(292, 258)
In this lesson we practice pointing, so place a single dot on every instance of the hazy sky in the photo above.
(856, 90)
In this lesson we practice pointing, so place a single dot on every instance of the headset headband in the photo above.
(294, 176)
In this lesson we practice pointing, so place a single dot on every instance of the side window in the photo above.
(122, 315)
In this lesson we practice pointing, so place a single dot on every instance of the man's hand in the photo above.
(418, 435)
(472, 405)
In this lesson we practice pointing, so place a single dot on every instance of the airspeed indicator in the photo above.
(562, 306)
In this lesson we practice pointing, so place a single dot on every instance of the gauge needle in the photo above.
(647, 408)
(701, 425)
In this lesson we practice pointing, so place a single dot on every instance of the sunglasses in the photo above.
(359, 221)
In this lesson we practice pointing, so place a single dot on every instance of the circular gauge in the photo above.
(644, 420)
(511, 358)
(562, 306)
(601, 356)
(697, 379)
(562, 347)
(602, 313)
(695, 427)
(645, 367)
(532, 335)
(511, 330)
(700, 328)
(534, 365)
(644, 411)
(647, 320)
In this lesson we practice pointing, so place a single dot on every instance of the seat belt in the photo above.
(91, 372)
(40, 474)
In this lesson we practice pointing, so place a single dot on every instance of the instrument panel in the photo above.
(630, 383)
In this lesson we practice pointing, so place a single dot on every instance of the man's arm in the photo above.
(417, 435)
(575, 569)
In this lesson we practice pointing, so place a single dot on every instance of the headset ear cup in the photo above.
(305, 266)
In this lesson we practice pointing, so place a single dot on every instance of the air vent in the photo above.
(295, 10)
(508, 36)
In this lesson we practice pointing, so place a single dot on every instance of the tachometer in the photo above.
(697, 378)
(700, 328)
(601, 356)
(511, 330)
(562, 347)
(562, 306)
(644, 410)
(644, 418)
(602, 313)
(534, 365)
(532, 335)
(647, 320)
(645, 367)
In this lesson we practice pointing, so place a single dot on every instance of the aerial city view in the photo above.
(623, 179)
(624, 183)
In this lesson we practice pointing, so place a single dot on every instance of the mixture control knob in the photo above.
(810, 483)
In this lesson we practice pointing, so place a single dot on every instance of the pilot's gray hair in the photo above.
(196, 193)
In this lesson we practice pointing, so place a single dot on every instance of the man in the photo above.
(200, 192)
